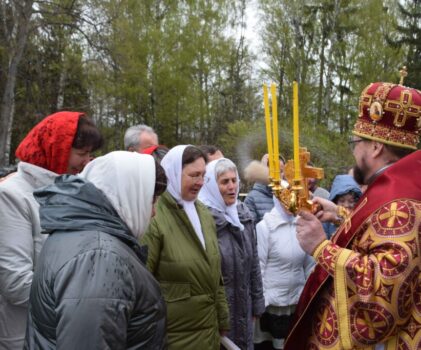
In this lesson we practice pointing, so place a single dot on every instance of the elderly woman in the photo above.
(91, 288)
(237, 245)
(184, 257)
(285, 268)
(61, 143)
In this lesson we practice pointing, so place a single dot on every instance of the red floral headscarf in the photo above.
(49, 143)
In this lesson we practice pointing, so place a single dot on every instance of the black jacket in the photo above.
(91, 289)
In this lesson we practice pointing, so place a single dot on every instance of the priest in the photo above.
(365, 292)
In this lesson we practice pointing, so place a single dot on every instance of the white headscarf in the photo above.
(128, 181)
(173, 166)
(211, 196)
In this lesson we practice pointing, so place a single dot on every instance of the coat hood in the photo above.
(114, 192)
(74, 204)
(343, 184)
(278, 217)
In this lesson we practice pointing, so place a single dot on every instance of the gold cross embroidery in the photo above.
(325, 325)
(402, 108)
(371, 325)
(393, 214)
(389, 257)
(364, 271)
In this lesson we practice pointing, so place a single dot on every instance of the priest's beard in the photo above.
(360, 173)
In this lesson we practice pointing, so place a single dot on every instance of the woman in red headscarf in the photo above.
(59, 144)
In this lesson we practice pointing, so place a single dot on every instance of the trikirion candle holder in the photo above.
(293, 193)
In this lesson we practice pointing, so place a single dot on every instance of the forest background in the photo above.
(187, 69)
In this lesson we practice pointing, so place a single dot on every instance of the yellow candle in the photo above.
(276, 169)
(297, 169)
(268, 130)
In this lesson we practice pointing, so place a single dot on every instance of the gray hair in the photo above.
(131, 137)
(223, 165)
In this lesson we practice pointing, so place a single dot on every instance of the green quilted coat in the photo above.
(190, 276)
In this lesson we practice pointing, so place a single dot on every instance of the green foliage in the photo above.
(172, 68)
(182, 68)
(409, 34)
(51, 75)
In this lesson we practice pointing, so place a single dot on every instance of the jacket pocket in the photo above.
(172, 291)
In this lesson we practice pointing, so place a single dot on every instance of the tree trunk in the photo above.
(327, 98)
(17, 41)
(61, 83)
(320, 90)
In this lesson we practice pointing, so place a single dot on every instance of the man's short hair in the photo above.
(131, 137)
(209, 149)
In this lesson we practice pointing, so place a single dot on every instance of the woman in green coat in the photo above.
(183, 255)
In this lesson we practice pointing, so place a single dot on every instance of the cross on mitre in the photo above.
(403, 73)
(402, 108)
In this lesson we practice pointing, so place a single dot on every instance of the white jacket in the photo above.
(285, 266)
(20, 244)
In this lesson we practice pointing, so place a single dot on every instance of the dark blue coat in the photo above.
(259, 201)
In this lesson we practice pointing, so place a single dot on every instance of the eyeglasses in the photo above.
(352, 143)
(199, 177)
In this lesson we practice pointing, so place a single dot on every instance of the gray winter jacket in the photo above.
(241, 273)
(90, 288)
(259, 201)
(20, 244)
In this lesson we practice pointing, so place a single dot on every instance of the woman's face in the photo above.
(227, 184)
(79, 157)
(192, 179)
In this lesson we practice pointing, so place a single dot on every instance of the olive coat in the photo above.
(189, 275)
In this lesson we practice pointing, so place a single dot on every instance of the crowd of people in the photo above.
(151, 248)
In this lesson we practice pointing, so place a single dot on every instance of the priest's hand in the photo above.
(310, 231)
(328, 211)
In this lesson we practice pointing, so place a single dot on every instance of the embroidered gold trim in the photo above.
(319, 248)
(387, 135)
(341, 299)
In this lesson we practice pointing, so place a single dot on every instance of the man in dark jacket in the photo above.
(91, 289)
